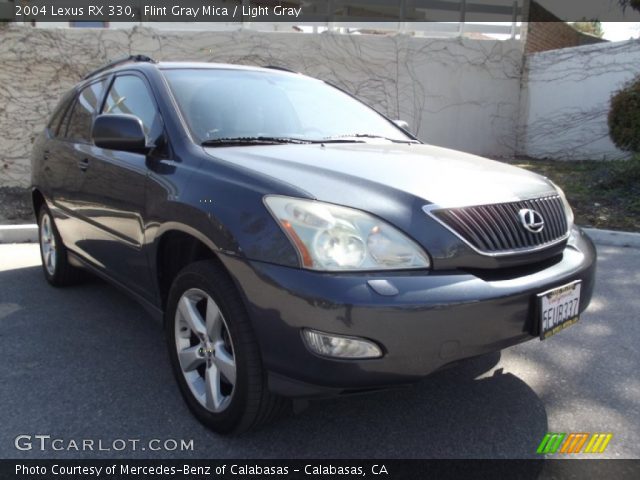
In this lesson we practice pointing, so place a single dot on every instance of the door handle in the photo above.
(83, 164)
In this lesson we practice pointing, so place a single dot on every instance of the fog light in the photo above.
(330, 345)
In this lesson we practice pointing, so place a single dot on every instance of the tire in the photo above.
(219, 367)
(55, 263)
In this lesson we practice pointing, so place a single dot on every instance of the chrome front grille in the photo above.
(498, 228)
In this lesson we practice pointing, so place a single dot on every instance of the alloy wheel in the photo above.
(205, 350)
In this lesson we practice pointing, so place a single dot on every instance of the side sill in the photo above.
(153, 310)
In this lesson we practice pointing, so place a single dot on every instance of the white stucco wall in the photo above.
(566, 96)
(457, 93)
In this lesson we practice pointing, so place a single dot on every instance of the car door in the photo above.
(68, 159)
(115, 189)
(52, 174)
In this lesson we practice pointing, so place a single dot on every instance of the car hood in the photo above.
(445, 177)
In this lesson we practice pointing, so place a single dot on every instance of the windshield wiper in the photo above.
(338, 140)
(264, 140)
(365, 135)
(226, 141)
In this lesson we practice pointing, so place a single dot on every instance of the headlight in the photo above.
(330, 237)
(567, 208)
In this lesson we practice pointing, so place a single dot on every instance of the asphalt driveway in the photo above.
(88, 363)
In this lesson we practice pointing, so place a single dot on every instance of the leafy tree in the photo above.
(594, 27)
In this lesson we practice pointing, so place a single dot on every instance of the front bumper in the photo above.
(436, 318)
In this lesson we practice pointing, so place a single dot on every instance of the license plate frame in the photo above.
(558, 308)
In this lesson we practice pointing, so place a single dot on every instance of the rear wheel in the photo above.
(55, 263)
(214, 353)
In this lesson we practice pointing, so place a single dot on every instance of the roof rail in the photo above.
(284, 69)
(120, 61)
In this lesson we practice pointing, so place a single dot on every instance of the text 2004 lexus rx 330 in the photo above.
(296, 242)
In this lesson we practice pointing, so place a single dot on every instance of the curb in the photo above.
(19, 233)
(29, 234)
(613, 238)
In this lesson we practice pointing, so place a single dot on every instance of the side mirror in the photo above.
(402, 124)
(119, 132)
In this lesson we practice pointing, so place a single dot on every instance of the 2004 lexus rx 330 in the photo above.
(296, 242)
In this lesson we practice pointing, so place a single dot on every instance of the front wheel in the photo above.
(214, 353)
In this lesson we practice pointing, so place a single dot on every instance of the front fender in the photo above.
(224, 212)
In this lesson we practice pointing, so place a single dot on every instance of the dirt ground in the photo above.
(603, 194)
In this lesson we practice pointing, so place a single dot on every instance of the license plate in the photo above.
(559, 308)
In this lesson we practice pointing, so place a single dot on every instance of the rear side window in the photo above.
(54, 123)
(86, 106)
(129, 94)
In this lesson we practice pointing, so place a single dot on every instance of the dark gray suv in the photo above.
(295, 242)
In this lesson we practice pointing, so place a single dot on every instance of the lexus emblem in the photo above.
(531, 220)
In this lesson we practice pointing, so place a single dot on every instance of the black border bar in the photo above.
(318, 469)
(321, 11)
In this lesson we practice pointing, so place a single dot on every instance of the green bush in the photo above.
(624, 117)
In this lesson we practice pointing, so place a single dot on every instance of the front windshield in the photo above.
(225, 103)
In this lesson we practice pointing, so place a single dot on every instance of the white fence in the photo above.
(566, 97)
(493, 31)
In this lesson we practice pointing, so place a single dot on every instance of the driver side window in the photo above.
(129, 94)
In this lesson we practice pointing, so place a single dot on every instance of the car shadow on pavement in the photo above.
(102, 372)
(451, 414)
